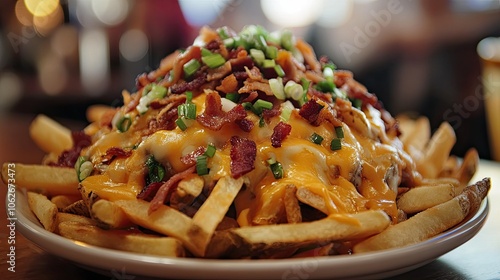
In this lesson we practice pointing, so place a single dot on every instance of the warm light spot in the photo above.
(45, 24)
(41, 8)
(64, 41)
(52, 74)
(94, 60)
(110, 12)
(489, 48)
(336, 13)
(292, 13)
(134, 45)
(199, 13)
(22, 14)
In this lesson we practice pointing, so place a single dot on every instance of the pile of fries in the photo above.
(245, 145)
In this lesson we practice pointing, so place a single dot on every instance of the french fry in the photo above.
(43, 209)
(215, 207)
(49, 135)
(336, 227)
(63, 201)
(429, 222)
(78, 208)
(67, 217)
(50, 180)
(468, 167)
(95, 112)
(168, 221)
(416, 134)
(122, 240)
(437, 151)
(292, 207)
(109, 215)
(306, 196)
(422, 197)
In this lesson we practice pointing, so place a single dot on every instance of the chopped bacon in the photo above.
(172, 98)
(245, 124)
(134, 101)
(310, 110)
(149, 191)
(280, 132)
(115, 152)
(228, 84)
(69, 157)
(219, 72)
(212, 45)
(253, 85)
(194, 84)
(214, 117)
(243, 154)
(251, 97)
(166, 189)
(269, 114)
(309, 55)
(240, 62)
(190, 158)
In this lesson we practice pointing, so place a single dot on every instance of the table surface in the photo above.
(479, 258)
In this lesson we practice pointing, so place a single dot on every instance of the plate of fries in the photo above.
(243, 157)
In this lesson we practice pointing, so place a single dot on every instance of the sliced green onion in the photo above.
(268, 63)
(229, 43)
(316, 138)
(214, 60)
(223, 32)
(247, 105)
(330, 65)
(260, 105)
(210, 152)
(189, 96)
(277, 88)
(156, 172)
(325, 86)
(150, 93)
(181, 124)
(339, 131)
(262, 122)
(83, 168)
(287, 40)
(328, 73)
(279, 71)
(205, 52)
(356, 103)
(257, 55)
(271, 52)
(187, 110)
(260, 42)
(235, 97)
(277, 170)
(271, 160)
(336, 144)
(293, 90)
(286, 111)
(337, 93)
(124, 123)
(201, 165)
(191, 67)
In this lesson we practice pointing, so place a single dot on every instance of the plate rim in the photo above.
(317, 267)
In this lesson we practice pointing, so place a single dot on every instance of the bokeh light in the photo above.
(292, 13)
(110, 12)
(52, 74)
(45, 24)
(41, 8)
(94, 61)
(23, 15)
(134, 45)
(64, 41)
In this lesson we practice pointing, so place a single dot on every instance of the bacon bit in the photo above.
(341, 76)
(134, 101)
(207, 34)
(280, 132)
(115, 152)
(254, 74)
(309, 55)
(68, 157)
(269, 114)
(245, 124)
(328, 114)
(219, 72)
(141, 81)
(229, 84)
(166, 189)
(251, 97)
(252, 85)
(239, 63)
(149, 191)
(194, 84)
(310, 110)
(214, 117)
(172, 98)
(243, 154)
(190, 158)
(180, 60)
(164, 121)
(212, 45)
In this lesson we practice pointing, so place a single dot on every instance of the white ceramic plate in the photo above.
(370, 265)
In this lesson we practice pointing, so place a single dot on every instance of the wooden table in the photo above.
(477, 259)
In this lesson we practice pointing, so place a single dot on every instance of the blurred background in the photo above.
(420, 56)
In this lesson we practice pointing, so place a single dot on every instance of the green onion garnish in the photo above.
(325, 86)
(339, 131)
(201, 165)
(156, 172)
(124, 123)
(271, 160)
(150, 93)
(260, 105)
(336, 144)
(271, 52)
(286, 112)
(210, 152)
(187, 110)
(181, 124)
(262, 122)
(189, 96)
(268, 63)
(83, 168)
(191, 67)
(277, 170)
(229, 43)
(214, 60)
(279, 71)
(316, 138)
(287, 40)
(235, 97)
(293, 90)
(356, 103)
(205, 52)
(277, 88)
(257, 56)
